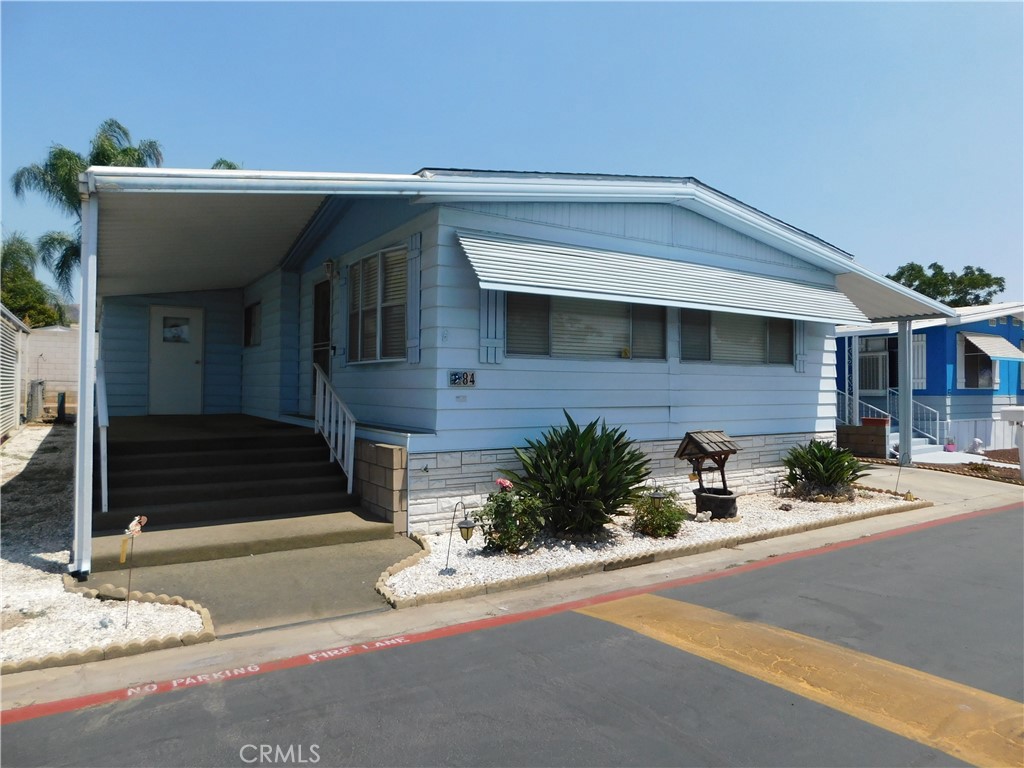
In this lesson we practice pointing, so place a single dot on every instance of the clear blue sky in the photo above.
(893, 131)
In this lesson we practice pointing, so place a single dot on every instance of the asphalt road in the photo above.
(638, 680)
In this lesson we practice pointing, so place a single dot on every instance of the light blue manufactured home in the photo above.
(454, 314)
(966, 369)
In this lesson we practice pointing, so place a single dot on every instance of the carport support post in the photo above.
(905, 375)
(81, 548)
(853, 384)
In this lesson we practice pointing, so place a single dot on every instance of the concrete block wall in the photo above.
(380, 481)
(51, 354)
(438, 481)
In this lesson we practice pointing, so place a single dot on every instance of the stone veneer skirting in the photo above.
(438, 481)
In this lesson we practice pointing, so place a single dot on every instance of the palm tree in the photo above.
(20, 291)
(56, 179)
(220, 164)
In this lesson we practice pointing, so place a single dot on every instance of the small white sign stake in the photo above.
(134, 529)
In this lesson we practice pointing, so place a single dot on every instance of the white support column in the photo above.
(905, 371)
(854, 383)
(81, 548)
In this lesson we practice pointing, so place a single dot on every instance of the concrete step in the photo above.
(157, 546)
(200, 493)
(220, 458)
(224, 510)
(293, 437)
(135, 478)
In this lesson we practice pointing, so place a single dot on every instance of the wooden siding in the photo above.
(704, 240)
(521, 397)
(265, 389)
(124, 345)
(395, 393)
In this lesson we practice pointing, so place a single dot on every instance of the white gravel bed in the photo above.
(38, 616)
(758, 514)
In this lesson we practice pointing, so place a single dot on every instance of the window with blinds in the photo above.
(723, 337)
(558, 326)
(377, 292)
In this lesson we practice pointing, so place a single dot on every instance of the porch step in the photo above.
(213, 473)
(200, 512)
(287, 437)
(239, 539)
(163, 491)
(918, 445)
(218, 458)
(196, 471)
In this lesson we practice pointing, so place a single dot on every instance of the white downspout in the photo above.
(81, 548)
(905, 373)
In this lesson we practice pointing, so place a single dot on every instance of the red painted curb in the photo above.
(33, 711)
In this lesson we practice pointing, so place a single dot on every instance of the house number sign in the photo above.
(461, 378)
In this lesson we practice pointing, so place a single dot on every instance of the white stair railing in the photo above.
(103, 421)
(336, 423)
(924, 420)
(844, 414)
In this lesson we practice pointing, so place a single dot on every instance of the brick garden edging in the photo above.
(613, 564)
(117, 650)
(950, 469)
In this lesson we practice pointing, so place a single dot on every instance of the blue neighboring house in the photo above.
(965, 369)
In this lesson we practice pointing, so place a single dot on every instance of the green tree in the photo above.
(220, 164)
(23, 294)
(56, 179)
(972, 287)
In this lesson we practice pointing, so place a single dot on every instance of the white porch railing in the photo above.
(103, 421)
(924, 420)
(336, 423)
(844, 411)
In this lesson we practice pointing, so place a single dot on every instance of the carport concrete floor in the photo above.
(245, 594)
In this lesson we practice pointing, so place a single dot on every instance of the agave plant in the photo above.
(820, 468)
(581, 475)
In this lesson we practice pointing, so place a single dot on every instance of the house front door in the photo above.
(322, 327)
(175, 360)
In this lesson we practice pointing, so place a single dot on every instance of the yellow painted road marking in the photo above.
(978, 727)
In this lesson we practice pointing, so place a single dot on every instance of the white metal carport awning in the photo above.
(995, 347)
(518, 265)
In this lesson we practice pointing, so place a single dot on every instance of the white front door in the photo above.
(175, 360)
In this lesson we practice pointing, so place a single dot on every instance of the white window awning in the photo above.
(995, 347)
(505, 263)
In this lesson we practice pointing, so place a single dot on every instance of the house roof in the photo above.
(963, 316)
(167, 229)
(13, 319)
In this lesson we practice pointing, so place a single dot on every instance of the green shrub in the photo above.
(653, 518)
(581, 476)
(821, 469)
(510, 520)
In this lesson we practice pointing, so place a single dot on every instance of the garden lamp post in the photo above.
(657, 497)
(465, 526)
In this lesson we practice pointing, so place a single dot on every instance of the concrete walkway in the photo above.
(246, 594)
(952, 494)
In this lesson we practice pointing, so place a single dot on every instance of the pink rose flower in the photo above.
(505, 485)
